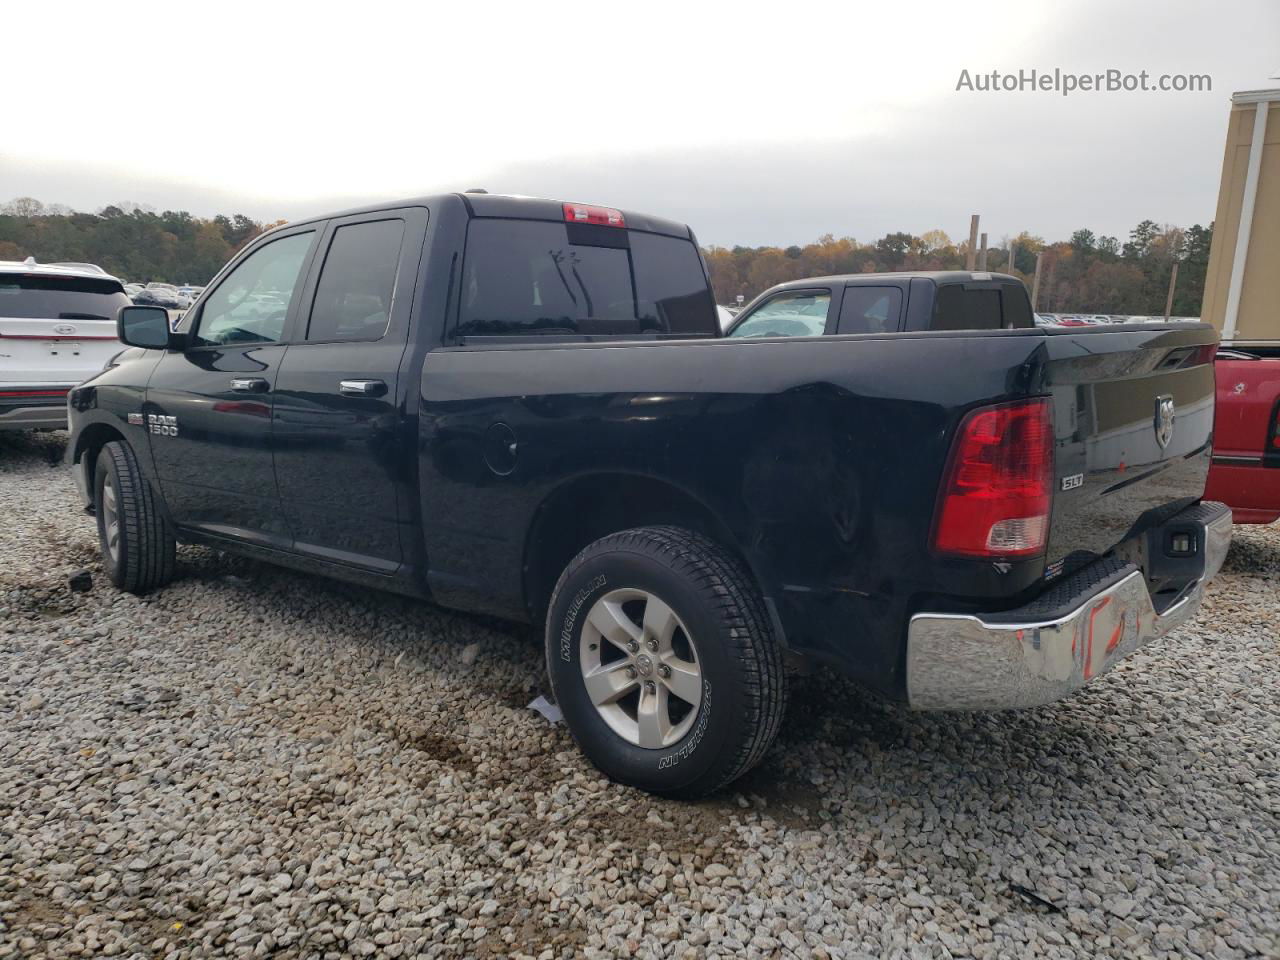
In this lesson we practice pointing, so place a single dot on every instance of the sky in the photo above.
(756, 124)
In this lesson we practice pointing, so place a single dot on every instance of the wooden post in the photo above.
(1035, 284)
(982, 253)
(971, 258)
(1173, 282)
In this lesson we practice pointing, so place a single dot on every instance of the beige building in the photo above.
(1242, 287)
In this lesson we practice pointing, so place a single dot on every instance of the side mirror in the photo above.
(142, 326)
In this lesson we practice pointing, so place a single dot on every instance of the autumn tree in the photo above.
(25, 207)
(1082, 241)
(127, 239)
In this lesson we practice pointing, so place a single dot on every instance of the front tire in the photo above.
(663, 661)
(138, 546)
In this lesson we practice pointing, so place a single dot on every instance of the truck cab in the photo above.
(887, 303)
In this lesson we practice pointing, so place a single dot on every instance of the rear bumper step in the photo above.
(1028, 657)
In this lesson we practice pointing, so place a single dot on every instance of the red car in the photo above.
(1245, 474)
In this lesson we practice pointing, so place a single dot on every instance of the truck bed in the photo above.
(819, 457)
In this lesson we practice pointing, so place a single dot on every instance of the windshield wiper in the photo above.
(82, 316)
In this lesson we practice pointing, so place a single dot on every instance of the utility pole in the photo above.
(1008, 267)
(982, 253)
(1173, 282)
(1035, 284)
(970, 259)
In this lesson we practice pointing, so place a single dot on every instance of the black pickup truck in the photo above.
(523, 407)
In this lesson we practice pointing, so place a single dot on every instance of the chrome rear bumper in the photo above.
(1006, 661)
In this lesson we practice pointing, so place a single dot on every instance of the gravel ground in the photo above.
(257, 763)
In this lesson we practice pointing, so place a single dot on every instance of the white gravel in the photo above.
(257, 763)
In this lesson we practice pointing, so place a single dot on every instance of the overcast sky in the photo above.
(755, 123)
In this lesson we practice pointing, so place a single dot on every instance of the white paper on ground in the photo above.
(547, 709)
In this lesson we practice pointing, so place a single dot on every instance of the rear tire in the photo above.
(663, 660)
(137, 543)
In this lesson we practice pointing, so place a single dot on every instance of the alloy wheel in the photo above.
(111, 517)
(640, 668)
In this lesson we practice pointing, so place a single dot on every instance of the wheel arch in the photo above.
(89, 442)
(585, 508)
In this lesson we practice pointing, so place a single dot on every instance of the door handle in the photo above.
(362, 388)
(249, 385)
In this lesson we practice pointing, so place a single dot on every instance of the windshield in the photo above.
(801, 314)
(60, 298)
(538, 277)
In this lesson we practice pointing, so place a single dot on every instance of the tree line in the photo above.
(1084, 274)
(128, 240)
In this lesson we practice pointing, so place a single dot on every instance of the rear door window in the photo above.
(870, 310)
(60, 298)
(353, 295)
(530, 277)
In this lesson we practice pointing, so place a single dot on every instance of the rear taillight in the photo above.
(998, 486)
(582, 213)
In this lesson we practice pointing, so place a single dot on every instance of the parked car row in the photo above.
(1092, 319)
(163, 295)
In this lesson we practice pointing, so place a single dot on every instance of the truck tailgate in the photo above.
(1133, 433)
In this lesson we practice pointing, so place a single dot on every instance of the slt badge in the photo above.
(1164, 420)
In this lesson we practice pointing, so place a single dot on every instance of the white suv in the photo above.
(57, 328)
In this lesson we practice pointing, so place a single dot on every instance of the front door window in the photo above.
(799, 314)
(251, 304)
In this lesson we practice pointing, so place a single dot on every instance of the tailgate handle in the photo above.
(249, 385)
(362, 388)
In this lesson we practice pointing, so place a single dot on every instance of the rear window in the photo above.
(60, 298)
(958, 307)
(527, 277)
